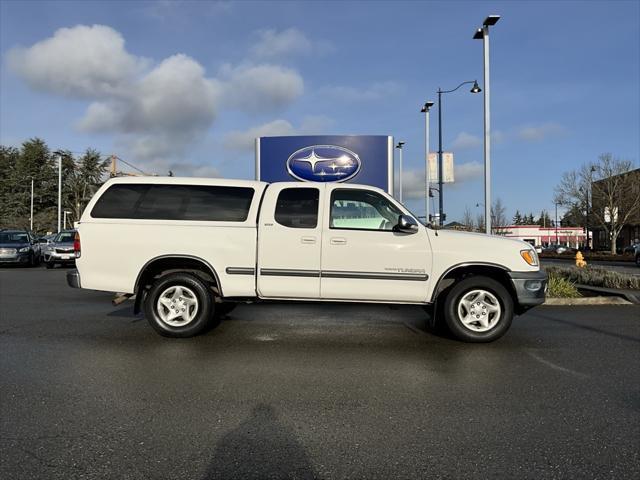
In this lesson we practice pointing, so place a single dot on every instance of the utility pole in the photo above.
(114, 171)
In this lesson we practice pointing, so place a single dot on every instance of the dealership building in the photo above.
(537, 235)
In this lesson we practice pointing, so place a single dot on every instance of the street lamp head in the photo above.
(426, 107)
(479, 35)
(491, 20)
(400, 144)
(476, 88)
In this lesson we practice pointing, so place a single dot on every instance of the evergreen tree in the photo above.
(34, 160)
(545, 219)
(517, 218)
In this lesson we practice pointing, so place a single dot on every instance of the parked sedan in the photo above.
(18, 247)
(60, 250)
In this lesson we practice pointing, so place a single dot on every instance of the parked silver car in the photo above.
(60, 250)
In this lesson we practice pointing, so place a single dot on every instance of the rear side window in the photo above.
(175, 202)
(298, 207)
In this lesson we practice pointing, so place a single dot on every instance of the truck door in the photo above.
(289, 241)
(363, 258)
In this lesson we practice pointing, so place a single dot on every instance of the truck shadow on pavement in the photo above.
(260, 447)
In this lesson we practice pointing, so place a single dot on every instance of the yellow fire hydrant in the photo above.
(580, 261)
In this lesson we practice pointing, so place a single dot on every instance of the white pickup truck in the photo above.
(190, 249)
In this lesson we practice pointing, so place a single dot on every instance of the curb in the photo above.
(586, 301)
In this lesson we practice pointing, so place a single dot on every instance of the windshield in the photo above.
(14, 237)
(65, 237)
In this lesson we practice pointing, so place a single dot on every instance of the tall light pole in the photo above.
(59, 190)
(474, 89)
(483, 34)
(31, 227)
(399, 147)
(556, 223)
(65, 218)
(425, 109)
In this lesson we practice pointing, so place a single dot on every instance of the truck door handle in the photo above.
(338, 241)
(308, 240)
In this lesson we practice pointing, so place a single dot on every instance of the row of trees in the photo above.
(544, 220)
(498, 219)
(35, 161)
(609, 189)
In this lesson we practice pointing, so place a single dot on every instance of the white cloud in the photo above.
(468, 171)
(156, 110)
(373, 92)
(535, 133)
(176, 11)
(245, 140)
(273, 43)
(414, 182)
(466, 141)
(82, 61)
(162, 113)
(259, 88)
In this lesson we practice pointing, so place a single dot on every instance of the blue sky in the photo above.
(186, 86)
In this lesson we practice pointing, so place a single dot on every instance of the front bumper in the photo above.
(18, 258)
(55, 257)
(73, 278)
(530, 288)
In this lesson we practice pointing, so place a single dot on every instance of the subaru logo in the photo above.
(323, 163)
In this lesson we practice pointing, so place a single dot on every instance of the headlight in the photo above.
(530, 256)
(24, 250)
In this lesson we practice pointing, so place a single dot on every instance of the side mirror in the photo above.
(406, 224)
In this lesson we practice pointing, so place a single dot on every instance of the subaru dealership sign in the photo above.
(366, 159)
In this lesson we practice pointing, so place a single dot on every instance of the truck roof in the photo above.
(218, 181)
(188, 181)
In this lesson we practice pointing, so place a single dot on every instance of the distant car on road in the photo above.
(558, 249)
(60, 250)
(631, 249)
(19, 247)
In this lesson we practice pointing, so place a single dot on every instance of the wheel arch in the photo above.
(164, 264)
(462, 270)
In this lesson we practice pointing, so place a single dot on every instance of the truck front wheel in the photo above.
(179, 305)
(478, 309)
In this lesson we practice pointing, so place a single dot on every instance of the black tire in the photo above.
(32, 260)
(466, 286)
(203, 313)
(49, 265)
(223, 309)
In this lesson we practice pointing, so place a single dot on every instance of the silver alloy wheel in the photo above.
(177, 306)
(479, 310)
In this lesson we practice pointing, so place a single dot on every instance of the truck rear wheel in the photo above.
(478, 309)
(179, 305)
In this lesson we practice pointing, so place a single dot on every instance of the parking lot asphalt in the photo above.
(310, 391)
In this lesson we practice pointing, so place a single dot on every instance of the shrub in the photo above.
(596, 277)
(560, 287)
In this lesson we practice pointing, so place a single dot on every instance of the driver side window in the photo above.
(353, 209)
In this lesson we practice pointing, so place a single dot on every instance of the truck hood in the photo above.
(466, 247)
